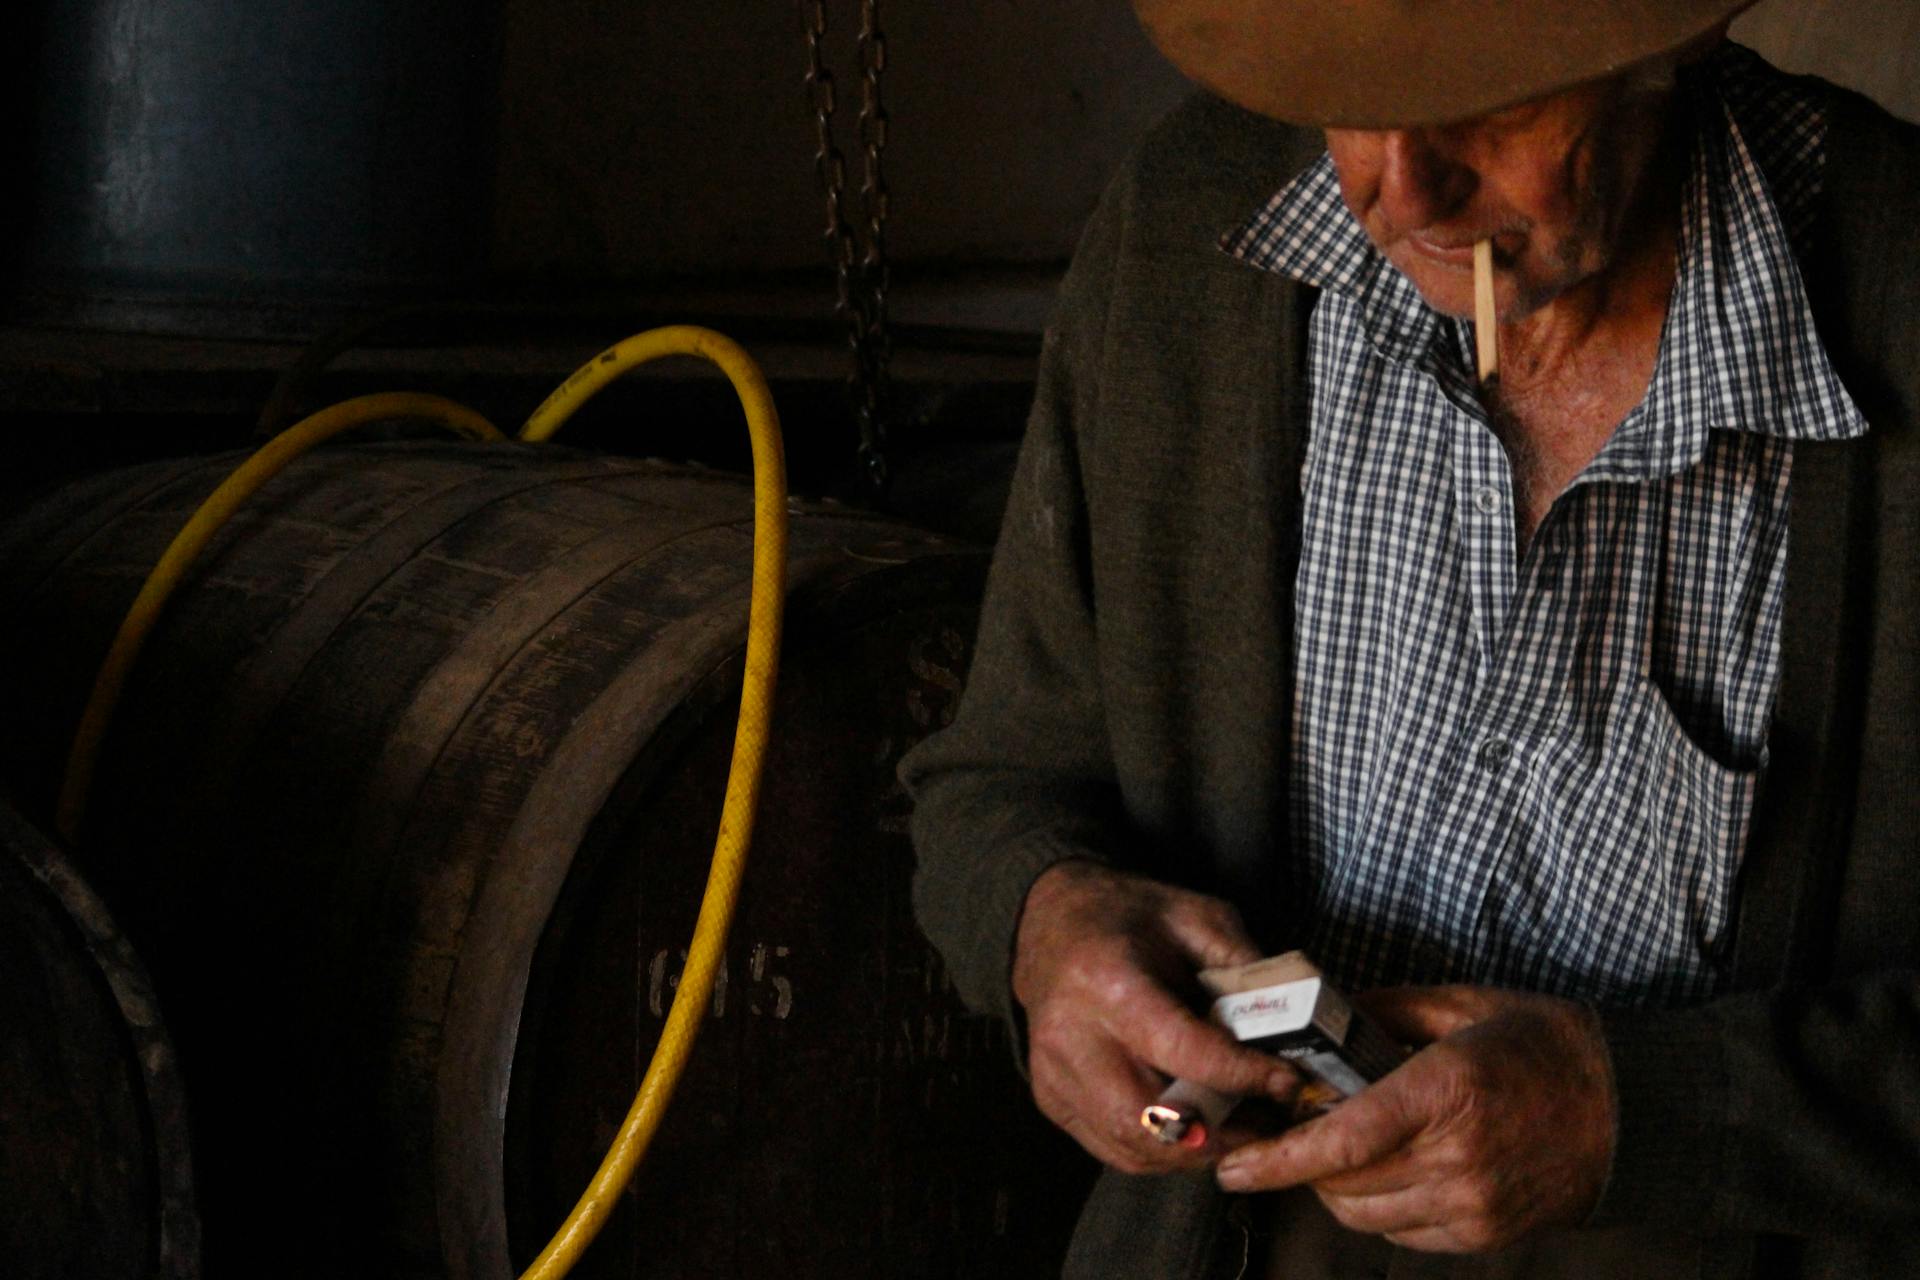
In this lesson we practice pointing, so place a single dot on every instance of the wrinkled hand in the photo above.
(1503, 1125)
(1099, 957)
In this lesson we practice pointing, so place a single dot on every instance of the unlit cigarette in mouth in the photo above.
(1486, 324)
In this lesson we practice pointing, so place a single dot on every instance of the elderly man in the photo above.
(1571, 714)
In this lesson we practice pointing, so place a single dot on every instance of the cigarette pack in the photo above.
(1284, 1004)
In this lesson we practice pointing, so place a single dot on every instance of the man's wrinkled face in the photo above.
(1553, 182)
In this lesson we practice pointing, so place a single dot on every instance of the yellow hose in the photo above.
(187, 545)
(749, 752)
(738, 809)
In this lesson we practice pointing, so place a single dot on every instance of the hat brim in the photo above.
(1382, 64)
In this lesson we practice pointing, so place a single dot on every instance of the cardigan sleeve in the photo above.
(1794, 1112)
(1023, 777)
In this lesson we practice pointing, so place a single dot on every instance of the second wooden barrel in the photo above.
(96, 1166)
(410, 802)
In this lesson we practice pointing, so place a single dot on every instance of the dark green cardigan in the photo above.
(1131, 691)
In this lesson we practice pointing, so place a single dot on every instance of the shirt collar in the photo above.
(1306, 232)
(1739, 351)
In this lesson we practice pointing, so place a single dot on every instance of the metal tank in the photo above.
(220, 167)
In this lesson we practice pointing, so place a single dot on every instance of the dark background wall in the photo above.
(674, 137)
(555, 147)
(638, 139)
(628, 162)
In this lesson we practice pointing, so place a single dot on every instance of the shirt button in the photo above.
(1486, 499)
(1494, 754)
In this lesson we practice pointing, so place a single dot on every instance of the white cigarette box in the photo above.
(1284, 1004)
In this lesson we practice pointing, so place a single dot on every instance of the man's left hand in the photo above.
(1501, 1126)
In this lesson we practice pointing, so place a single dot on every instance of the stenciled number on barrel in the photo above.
(768, 994)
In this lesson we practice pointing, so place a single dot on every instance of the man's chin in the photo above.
(1447, 290)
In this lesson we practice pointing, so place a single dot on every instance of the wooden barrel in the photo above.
(410, 802)
(96, 1175)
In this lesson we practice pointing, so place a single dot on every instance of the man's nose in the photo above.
(1420, 182)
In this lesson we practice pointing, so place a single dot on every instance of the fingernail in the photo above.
(1234, 1174)
(1283, 1084)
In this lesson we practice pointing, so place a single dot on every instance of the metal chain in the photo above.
(860, 274)
(873, 266)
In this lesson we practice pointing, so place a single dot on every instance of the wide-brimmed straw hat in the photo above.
(1398, 63)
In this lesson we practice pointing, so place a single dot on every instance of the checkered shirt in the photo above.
(1538, 770)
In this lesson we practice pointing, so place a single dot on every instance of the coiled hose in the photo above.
(751, 731)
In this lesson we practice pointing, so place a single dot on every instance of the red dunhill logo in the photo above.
(1259, 1005)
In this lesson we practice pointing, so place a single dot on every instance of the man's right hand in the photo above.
(1098, 959)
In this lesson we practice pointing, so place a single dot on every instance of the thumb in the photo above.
(1367, 1127)
(1178, 1044)
(1421, 1015)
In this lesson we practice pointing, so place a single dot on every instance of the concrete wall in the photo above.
(639, 139)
